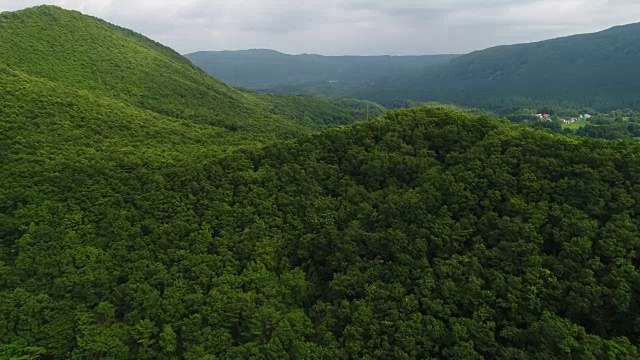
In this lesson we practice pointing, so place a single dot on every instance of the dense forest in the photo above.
(224, 224)
(591, 70)
(428, 233)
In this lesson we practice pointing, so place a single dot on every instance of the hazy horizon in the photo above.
(314, 54)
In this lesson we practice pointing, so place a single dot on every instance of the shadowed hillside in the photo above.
(592, 70)
(272, 71)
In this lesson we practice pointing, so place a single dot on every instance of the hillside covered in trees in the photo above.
(72, 52)
(427, 233)
(134, 228)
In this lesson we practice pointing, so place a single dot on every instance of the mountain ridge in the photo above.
(267, 69)
(590, 70)
(87, 53)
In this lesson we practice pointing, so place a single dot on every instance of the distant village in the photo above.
(573, 120)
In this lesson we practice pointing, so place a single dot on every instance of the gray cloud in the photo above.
(352, 26)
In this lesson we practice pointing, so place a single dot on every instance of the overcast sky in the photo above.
(359, 27)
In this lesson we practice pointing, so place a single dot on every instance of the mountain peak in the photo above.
(45, 8)
(86, 53)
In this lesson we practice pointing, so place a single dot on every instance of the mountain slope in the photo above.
(273, 71)
(75, 87)
(86, 53)
(595, 70)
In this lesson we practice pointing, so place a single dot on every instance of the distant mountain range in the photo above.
(597, 70)
(261, 69)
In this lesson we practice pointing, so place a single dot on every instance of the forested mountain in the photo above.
(269, 70)
(131, 228)
(590, 70)
(74, 51)
(596, 70)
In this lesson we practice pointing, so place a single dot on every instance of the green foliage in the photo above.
(429, 233)
(96, 58)
(130, 232)
(319, 111)
(76, 51)
(621, 124)
(21, 352)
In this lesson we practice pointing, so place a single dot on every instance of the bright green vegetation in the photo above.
(76, 51)
(130, 229)
(272, 71)
(318, 112)
(618, 124)
(615, 125)
(74, 86)
(574, 126)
